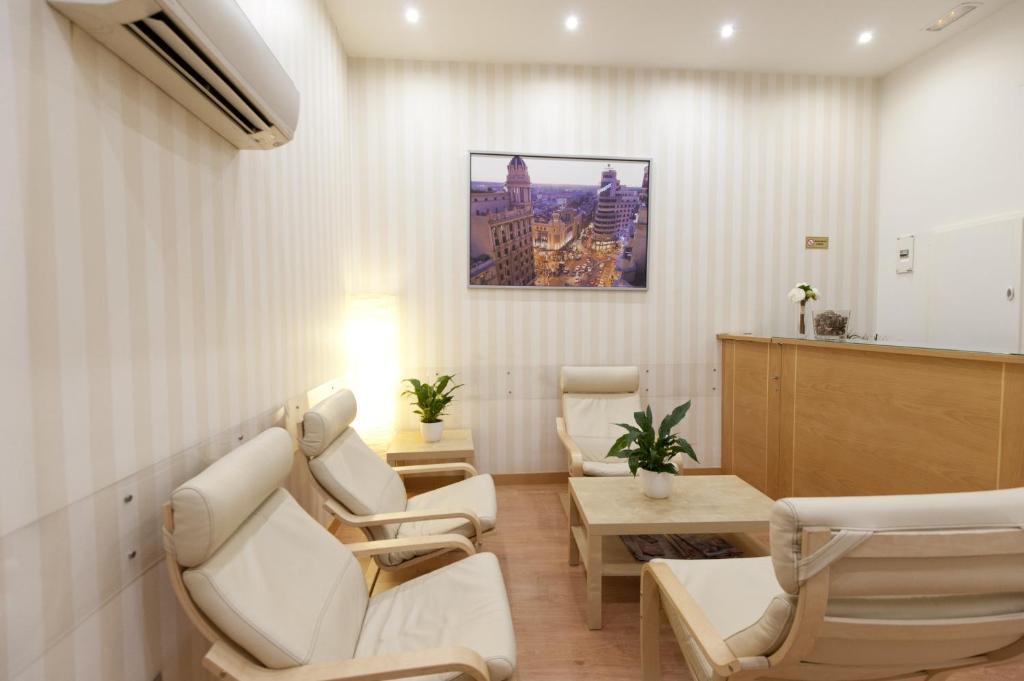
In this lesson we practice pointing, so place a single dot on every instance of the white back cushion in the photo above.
(363, 482)
(600, 379)
(590, 420)
(211, 506)
(965, 511)
(322, 424)
(283, 588)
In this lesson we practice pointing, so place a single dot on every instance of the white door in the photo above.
(974, 297)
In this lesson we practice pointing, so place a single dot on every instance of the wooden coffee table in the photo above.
(699, 504)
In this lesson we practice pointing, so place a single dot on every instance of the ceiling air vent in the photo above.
(206, 55)
(953, 15)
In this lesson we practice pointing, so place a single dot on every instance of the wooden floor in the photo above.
(548, 600)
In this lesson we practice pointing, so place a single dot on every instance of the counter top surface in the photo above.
(895, 347)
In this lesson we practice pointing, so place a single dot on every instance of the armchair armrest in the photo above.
(454, 467)
(680, 604)
(571, 448)
(339, 512)
(227, 663)
(447, 542)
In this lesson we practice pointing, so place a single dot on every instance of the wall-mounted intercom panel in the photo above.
(904, 254)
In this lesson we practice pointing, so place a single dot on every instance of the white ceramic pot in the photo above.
(656, 485)
(432, 432)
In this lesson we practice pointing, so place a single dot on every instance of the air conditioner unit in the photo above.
(207, 55)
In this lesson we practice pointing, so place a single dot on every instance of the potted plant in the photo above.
(650, 452)
(430, 400)
(801, 293)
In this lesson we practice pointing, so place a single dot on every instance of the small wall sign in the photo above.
(816, 242)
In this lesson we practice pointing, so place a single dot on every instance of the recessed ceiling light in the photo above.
(727, 31)
(412, 15)
(572, 22)
(865, 37)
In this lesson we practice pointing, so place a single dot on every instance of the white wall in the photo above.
(951, 151)
(163, 293)
(743, 166)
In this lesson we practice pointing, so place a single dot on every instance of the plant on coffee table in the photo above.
(648, 450)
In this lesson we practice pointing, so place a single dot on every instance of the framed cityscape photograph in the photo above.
(558, 221)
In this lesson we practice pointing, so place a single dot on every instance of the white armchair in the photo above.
(367, 493)
(594, 399)
(892, 588)
(280, 599)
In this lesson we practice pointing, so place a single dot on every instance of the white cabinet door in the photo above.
(974, 297)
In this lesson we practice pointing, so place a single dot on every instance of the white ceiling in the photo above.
(790, 36)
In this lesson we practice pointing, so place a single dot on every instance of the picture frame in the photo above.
(578, 222)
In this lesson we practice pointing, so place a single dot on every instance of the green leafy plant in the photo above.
(644, 448)
(431, 399)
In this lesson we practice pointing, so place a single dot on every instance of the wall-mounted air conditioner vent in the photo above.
(203, 53)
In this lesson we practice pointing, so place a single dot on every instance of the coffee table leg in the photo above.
(574, 521)
(595, 568)
(650, 627)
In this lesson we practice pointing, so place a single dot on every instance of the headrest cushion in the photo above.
(600, 379)
(323, 423)
(211, 506)
(953, 511)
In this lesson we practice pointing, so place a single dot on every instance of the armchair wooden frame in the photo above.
(661, 592)
(225, 660)
(572, 450)
(444, 543)
(338, 515)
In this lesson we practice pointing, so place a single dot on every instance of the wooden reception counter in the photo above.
(828, 418)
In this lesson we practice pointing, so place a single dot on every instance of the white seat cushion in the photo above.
(614, 467)
(462, 604)
(741, 598)
(282, 588)
(472, 494)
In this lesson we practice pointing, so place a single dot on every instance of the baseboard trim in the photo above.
(703, 471)
(529, 478)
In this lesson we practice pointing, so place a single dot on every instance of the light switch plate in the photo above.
(905, 254)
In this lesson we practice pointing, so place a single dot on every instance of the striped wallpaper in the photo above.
(743, 166)
(164, 294)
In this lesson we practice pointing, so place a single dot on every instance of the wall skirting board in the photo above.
(530, 478)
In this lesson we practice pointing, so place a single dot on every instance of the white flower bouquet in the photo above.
(801, 293)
